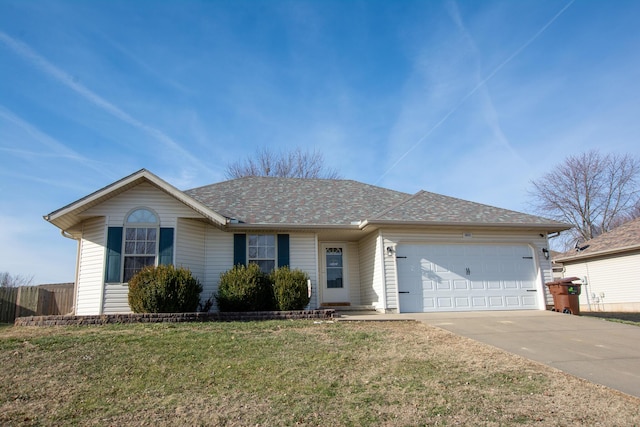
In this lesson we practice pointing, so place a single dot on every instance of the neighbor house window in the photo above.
(262, 251)
(140, 241)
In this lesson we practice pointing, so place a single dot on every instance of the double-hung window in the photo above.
(262, 251)
(140, 241)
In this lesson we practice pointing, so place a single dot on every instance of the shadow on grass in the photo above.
(624, 317)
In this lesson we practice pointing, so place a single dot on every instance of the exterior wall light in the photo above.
(545, 252)
(389, 250)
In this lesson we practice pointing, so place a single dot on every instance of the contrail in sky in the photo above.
(475, 89)
(50, 69)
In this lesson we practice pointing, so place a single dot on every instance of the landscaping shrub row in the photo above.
(166, 289)
(247, 288)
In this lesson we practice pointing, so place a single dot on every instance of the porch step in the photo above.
(347, 307)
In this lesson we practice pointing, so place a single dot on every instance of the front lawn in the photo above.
(285, 373)
(621, 317)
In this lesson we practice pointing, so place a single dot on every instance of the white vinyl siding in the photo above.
(353, 270)
(302, 255)
(116, 298)
(545, 271)
(371, 272)
(612, 282)
(218, 259)
(390, 274)
(189, 247)
(91, 267)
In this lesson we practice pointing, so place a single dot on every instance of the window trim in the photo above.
(255, 260)
(136, 225)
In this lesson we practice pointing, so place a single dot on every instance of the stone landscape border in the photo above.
(104, 319)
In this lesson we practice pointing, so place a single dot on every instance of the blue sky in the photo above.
(471, 99)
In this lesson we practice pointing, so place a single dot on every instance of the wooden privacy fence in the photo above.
(35, 301)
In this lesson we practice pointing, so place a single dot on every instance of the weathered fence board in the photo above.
(8, 297)
(35, 301)
(55, 300)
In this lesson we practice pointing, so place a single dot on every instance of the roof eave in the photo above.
(585, 256)
(548, 227)
(286, 226)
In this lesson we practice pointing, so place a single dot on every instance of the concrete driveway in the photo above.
(597, 350)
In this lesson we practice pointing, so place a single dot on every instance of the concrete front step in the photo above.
(344, 307)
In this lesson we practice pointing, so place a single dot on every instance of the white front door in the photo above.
(335, 286)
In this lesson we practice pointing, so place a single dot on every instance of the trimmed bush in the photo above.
(290, 288)
(164, 289)
(245, 288)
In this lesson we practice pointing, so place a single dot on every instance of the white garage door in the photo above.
(466, 278)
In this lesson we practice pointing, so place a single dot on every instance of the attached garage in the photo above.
(466, 277)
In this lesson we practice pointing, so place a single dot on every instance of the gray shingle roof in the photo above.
(431, 207)
(269, 200)
(620, 239)
(273, 201)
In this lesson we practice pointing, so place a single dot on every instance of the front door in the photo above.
(335, 288)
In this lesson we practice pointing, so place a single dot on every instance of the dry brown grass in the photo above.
(286, 373)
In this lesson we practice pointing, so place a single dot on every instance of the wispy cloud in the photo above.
(57, 148)
(25, 52)
(481, 83)
(488, 108)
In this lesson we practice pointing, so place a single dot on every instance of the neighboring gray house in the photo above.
(361, 245)
(609, 266)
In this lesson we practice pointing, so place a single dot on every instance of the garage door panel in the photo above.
(512, 301)
(477, 285)
(466, 277)
(495, 302)
(478, 302)
(493, 285)
(444, 302)
(510, 284)
(462, 302)
(460, 285)
(443, 285)
(428, 285)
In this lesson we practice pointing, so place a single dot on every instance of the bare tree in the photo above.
(293, 164)
(591, 191)
(8, 280)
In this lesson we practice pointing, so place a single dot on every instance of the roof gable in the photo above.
(70, 215)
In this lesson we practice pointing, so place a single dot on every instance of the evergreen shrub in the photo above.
(290, 288)
(164, 289)
(245, 288)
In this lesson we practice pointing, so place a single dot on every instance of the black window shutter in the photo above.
(283, 250)
(114, 254)
(165, 247)
(239, 249)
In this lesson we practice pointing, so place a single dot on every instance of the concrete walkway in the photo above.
(597, 350)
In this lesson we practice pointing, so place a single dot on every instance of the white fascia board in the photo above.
(434, 224)
(242, 226)
(579, 257)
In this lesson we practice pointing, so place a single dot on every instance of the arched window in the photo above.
(140, 241)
